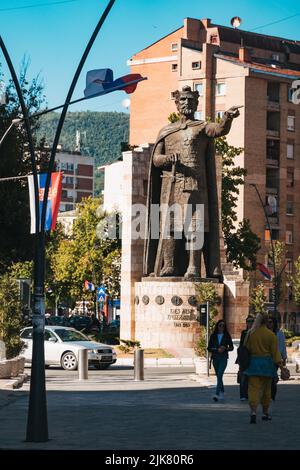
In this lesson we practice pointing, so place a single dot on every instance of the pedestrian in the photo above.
(219, 344)
(264, 355)
(273, 325)
(242, 378)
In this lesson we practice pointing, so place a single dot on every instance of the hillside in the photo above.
(101, 134)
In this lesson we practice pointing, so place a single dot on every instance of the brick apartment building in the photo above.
(233, 67)
(78, 178)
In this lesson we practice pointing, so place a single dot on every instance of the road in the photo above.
(168, 410)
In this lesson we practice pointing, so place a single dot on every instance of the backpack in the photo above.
(243, 357)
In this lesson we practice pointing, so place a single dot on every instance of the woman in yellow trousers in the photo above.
(262, 346)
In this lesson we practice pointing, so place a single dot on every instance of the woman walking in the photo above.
(262, 346)
(273, 325)
(219, 344)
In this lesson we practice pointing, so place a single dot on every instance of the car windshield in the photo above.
(70, 335)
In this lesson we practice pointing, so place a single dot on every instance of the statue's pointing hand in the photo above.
(233, 112)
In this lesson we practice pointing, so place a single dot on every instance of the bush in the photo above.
(200, 347)
(10, 316)
(128, 345)
(287, 333)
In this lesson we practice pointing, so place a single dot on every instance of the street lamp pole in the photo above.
(275, 280)
(37, 424)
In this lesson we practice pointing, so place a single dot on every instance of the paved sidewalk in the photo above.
(169, 410)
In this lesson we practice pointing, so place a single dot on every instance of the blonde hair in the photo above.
(260, 320)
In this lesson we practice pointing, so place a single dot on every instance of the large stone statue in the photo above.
(182, 172)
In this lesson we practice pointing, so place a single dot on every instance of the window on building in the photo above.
(69, 207)
(272, 178)
(273, 149)
(275, 57)
(63, 166)
(219, 114)
(64, 193)
(291, 123)
(198, 115)
(273, 121)
(174, 46)
(273, 91)
(221, 89)
(196, 65)
(174, 67)
(274, 234)
(199, 88)
(290, 151)
(290, 178)
(71, 166)
(290, 207)
(214, 39)
(271, 205)
(289, 237)
(289, 266)
(290, 94)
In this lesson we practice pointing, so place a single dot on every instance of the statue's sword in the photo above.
(159, 255)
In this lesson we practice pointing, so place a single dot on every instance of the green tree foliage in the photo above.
(16, 243)
(10, 316)
(85, 256)
(242, 244)
(258, 300)
(206, 292)
(279, 258)
(295, 280)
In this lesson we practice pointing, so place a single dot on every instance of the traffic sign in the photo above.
(101, 293)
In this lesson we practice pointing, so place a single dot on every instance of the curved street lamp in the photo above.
(37, 423)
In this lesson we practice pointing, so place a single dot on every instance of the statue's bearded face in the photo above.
(186, 104)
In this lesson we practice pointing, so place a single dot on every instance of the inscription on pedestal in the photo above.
(182, 316)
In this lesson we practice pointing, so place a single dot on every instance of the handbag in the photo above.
(285, 373)
(243, 356)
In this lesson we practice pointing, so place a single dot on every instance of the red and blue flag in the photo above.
(89, 285)
(54, 197)
(101, 81)
(264, 271)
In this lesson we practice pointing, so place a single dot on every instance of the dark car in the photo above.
(80, 323)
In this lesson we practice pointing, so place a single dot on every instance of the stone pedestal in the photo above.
(166, 312)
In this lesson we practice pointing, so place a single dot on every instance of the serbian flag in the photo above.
(264, 271)
(89, 285)
(53, 202)
(101, 81)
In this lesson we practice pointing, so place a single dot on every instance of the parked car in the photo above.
(62, 345)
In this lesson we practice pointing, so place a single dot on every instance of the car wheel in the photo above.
(69, 361)
(102, 366)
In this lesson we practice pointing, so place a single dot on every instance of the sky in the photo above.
(54, 33)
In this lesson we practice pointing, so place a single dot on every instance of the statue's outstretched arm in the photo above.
(223, 127)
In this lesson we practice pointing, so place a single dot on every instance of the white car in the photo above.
(62, 345)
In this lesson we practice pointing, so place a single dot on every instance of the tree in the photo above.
(241, 243)
(16, 243)
(86, 257)
(10, 316)
(258, 300)
(278, 257)
(296, 282)
(206, 292)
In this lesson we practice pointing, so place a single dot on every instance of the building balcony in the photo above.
(274, 162)
(273, 133)
(271, 189)
(66, 199)
(273, 105)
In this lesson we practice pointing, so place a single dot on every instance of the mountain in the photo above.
(101, 134)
